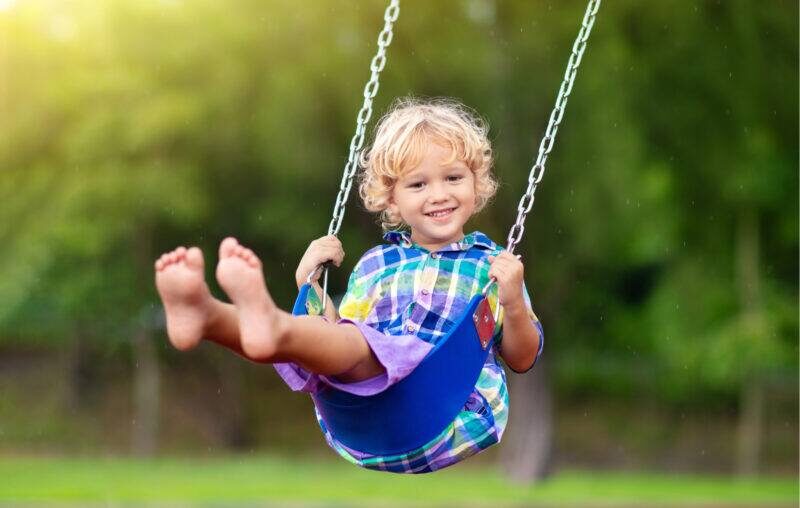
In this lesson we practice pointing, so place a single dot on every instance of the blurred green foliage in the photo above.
(129, 127)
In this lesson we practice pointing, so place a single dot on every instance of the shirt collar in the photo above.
(474, 239)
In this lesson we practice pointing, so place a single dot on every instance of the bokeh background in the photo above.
(662, 251)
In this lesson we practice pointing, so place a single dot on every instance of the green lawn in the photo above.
(276, 481)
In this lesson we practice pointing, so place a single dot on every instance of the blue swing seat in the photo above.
(418, 408)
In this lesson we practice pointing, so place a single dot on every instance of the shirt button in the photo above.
(435, 255)
(424, 291)
(411, 328)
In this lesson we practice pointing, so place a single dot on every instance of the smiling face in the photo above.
(435, 198)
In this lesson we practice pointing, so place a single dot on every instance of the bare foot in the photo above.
(239, 274)
(180, 281)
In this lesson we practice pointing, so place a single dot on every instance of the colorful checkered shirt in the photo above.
(400, 288)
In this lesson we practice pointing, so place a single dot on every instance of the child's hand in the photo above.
(321, 250)
(507, 269)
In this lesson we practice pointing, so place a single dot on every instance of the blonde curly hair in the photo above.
(400, 140)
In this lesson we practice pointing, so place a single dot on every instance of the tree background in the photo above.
(662, 252)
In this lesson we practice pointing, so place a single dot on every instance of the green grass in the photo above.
(272, 480)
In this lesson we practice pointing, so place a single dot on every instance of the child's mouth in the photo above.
(439, 214)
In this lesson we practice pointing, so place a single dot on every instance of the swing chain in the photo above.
(365, 113)
(362, 119)
(546, 145)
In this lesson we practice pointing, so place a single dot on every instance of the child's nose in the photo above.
(438, 192)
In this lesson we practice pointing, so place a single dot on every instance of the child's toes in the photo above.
(227, 247)
(194, 258)
(181, 252)
(163, 261)
(251, 258)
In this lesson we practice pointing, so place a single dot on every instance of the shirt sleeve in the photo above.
(357, 303)
(492, 296)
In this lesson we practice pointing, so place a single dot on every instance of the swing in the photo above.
(399, 419)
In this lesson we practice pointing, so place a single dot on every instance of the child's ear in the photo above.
(392, 212)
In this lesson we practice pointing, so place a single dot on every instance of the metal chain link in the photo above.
(546, 145)
(357, 142)
(362, 119)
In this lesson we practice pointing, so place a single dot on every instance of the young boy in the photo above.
(429, 170)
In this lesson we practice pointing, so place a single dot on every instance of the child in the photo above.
(428, 170)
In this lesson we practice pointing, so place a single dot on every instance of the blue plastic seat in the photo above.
(417, 408)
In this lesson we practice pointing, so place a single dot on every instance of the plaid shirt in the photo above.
(402, 288)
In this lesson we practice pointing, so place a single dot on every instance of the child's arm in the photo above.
(321, 250)
(520, 336)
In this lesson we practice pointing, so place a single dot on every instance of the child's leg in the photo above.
(192, 313)
(269, 334)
